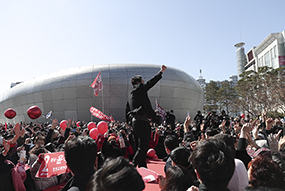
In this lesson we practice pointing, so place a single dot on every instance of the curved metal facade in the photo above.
(68, 93)
(241, 60)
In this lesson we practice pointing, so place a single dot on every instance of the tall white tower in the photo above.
(241, 58)
(201, 80)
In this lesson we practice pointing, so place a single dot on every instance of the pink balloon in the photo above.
(102, 127)
(78, 124)
(151, 153)
(94, 133)
(63, 124)
(34, 112)
(10, 113)
(91, 125)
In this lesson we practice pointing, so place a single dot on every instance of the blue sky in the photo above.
(40, 37)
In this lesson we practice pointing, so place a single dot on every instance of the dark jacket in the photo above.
(139, 102)
(241, 152)
(203, 187)
(79, 181)
(49, 136)
(112, 149)
(168, 164)
(170, 120)
(6, 181)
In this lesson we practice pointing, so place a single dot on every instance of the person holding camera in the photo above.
(170, 119)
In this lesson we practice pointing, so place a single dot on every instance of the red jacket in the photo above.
(154, 140)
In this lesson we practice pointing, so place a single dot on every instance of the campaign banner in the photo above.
(97, 113)
(53, 164)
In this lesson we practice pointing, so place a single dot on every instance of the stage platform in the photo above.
(156, 165)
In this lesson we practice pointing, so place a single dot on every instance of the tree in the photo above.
(262, 90)
(227, 97)
(211, 96)
(220, 97)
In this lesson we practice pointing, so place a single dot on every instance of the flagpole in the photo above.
(97, 85)
(102, 96)
(91, 104)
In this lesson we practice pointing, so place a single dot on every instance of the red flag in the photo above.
(161, 110)
(97, 113)
(97, 85)
(5, 126)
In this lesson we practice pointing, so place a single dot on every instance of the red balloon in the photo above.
(34, 112)
(78, 124)
(91, 125)
(151, 153)
(155, 156)
(63, 124)
(242, 115)
(102, 127)
(94, 133)
(10, 113)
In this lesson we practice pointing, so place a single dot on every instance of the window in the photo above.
(274, 62)
(250, 56)
(260, 62)
(271, 53)
(267, 59)
(275, 51)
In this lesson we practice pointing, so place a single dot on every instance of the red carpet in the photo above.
(156, 165)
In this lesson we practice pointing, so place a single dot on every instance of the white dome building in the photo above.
(68, 94)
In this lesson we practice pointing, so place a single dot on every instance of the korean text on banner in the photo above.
(97, 113)
(54, 164)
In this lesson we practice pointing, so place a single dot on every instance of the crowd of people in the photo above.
(211, 152)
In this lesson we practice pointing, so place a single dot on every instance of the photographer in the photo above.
(111, 148)
(170, 119)
(212, 120)
(198, 118)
